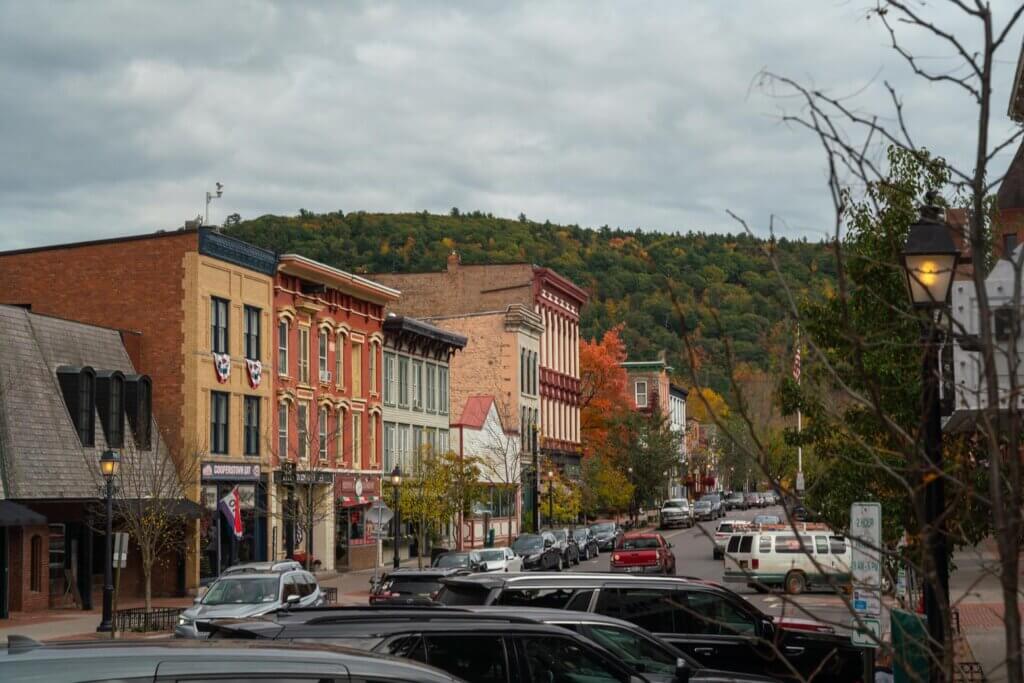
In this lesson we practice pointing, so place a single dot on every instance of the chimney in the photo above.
(453, 261)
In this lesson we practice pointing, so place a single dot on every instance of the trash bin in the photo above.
(909, 647)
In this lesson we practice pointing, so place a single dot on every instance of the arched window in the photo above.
(35, 571)
(110, 399)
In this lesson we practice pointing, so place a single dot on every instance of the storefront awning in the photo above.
(355, 501)
(13, 514)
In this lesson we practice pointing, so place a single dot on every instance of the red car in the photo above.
(643, 553)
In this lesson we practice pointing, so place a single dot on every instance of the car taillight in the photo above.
(755, 563)
(615, 558)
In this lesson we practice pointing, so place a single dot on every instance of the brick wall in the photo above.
(130, 284)
(22, 597)
(461, 289)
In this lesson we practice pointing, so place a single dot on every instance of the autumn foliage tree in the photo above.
(603, 387)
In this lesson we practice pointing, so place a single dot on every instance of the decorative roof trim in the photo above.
(343, 281)
(233, 250)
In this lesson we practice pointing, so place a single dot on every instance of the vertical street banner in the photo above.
(231, 508)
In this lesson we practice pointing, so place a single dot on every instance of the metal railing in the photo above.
(139, 620)
(330, 595)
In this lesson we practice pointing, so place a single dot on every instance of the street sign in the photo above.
(867, 602)
(379, 513)
(866, 535)
(799, 481)
(868, 633)
(120, 558)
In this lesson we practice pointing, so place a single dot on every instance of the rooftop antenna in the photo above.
(210, 196)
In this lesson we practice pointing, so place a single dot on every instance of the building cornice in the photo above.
(343, 281)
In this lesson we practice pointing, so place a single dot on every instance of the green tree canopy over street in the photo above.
(725, 283)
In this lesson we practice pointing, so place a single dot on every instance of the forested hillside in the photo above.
(725, 283)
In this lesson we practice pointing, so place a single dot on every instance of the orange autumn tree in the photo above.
(603, 387)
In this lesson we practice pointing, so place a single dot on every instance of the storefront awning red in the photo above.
(355, 501)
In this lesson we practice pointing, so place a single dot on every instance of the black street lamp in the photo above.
(110, 462)
(551, 498)
(396, 483)
(632, 496)
(929, 260)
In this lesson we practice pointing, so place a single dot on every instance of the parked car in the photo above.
(475, 647)
(639, 649)
(675, 512)
(735, 501)
(607, 534)
(459, 559)
(263, 567)
(169, 660)
(766, 520)
(643, 553)
(725, 529)
(501, 559)
(707, 621)
(716, 504)
(765, 559)
(703, 510)
(404, 586)
(751, 500)
(586, 541)
(249, 594)
(538, 552)
(566, 544)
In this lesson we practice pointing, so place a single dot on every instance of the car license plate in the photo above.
(743, 564)
(635, 570)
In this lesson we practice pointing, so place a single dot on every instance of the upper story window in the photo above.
(302, 429)
(339, 359)
(357, 369)
(218, 325)
(304, 355)
(442, 389)
(534, 363)
(1009, 244)
(282, 431)
(390, 379)
(373, 367)
(325, 373)
(322, 422)
(416, 385)
(110, 402)
(252, 333)
(139, 408)
(431, 388)
(640, 391)
(219, 422)
(252, 425)
(282, 348)
(403, 381)
(79, 388)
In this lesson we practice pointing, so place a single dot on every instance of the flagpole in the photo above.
(797, 372)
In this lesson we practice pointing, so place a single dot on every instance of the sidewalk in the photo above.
(68, 624)
(354, 587)
(975, 589)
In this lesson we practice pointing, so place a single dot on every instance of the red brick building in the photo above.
(462, 289)
(327, 378)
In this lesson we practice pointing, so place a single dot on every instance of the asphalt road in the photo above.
(693, 551)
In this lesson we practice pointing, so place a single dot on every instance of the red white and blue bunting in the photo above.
(255, 368)
(222, 365)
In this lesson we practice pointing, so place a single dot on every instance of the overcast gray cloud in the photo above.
(116, 117)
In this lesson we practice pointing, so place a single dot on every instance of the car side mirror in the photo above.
(292, 600)
(196, 600)
(683, 672)
(548, 543)
(669, 545)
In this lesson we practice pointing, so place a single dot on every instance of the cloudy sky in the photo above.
(116, 117)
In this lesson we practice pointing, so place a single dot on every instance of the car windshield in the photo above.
(525, 543)
(559, 535)
(635, 649)
(580, 534)
(603, 528)
(452, 560)
(675, 504)
(640, 544)
(492, 555)
(725, 528)
(242, 591)
(702, 504)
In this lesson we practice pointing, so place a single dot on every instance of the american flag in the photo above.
(796, 364)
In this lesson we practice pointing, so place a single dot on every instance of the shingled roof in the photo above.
(1011, 190)
(41, 456)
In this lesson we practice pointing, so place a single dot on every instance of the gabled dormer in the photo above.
(78, 385)
(110, 403)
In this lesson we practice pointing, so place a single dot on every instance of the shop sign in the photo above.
(306, 477)
(230, 471)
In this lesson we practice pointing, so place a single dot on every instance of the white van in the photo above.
(765, 558)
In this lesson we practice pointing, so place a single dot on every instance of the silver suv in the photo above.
(239, 594)
(676, 512)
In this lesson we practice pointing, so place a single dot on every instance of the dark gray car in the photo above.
(189, 660)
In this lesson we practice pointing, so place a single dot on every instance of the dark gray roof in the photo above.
(41, 456)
